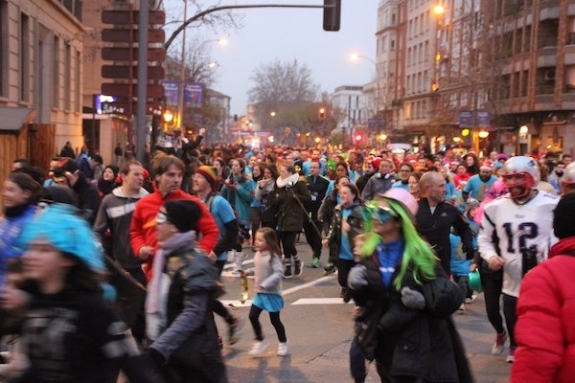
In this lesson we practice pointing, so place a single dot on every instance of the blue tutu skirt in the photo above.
(272, 303)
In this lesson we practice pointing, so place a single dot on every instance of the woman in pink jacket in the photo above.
(545, 330)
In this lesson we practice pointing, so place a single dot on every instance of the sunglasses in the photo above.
(161, 218)
(379, 214)
(385, 214)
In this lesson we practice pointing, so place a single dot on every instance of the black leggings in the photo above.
(492, 284)
(343, 267)
(287, 239)
(509, 306)
(217, 306)
(255, 312)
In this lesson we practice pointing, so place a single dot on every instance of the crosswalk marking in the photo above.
(319, 301)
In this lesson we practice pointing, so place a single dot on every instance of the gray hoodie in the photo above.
(115, 213)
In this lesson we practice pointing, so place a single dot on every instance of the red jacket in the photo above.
(143, 227)
(545, 330)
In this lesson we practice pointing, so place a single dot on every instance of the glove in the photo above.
(155, 357)
(357, 278)
(412, 298)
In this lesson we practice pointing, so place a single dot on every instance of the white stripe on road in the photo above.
(306, 285)
(319, 301)
(237, 303)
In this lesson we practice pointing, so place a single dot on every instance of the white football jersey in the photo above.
(517, 226)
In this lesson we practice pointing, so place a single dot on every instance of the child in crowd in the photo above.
(460, 266)
(268, 290)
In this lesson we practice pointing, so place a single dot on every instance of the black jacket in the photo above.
(435, 229)
(411, 342)
(290, 213)
(317, 187)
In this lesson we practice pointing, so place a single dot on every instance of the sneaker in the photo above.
(298, 268)
(258, 348)
(462, 308)
(329, 269)
(234, 330)
(499, 343)
(282, 349)
(287, 270)
(511, 355)
(315, 263)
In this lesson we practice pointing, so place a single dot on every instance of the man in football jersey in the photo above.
(516, 234)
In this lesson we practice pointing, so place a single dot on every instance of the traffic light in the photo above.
(331, 15)
(321, 113)
(359, 138)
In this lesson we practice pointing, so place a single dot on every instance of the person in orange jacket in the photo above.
(168, 174)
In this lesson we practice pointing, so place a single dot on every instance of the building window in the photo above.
(67, 76)
(24, 87)
(56, 76)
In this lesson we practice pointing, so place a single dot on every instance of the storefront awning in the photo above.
(12, 118)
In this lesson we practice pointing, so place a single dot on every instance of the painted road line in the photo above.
(309, 284)
(319, 301)
(236, 303)
(230, 265)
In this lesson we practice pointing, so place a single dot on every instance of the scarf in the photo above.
(106, 187)
(287, 182)
(269, 186)
(178, 241)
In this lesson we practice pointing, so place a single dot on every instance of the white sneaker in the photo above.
(258, 348)
(282, 349)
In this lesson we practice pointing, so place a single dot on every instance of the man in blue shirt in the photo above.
(204, 181)
(479, 183)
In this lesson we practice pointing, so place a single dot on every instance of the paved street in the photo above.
(319, 329)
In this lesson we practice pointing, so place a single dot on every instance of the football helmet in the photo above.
(569, 175)
(521, 165)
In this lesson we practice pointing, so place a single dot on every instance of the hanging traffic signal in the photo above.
(331, 15)
(359, 138)
(321, 113)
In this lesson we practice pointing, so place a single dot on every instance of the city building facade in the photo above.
(41, 68)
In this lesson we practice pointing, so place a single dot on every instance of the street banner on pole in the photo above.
(171, 91)
(193, 95)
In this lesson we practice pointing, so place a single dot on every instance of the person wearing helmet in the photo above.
(395, 285)
(70, 333)
(568, 180)
(516, 234)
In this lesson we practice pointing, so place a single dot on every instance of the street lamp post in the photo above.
(377, 91)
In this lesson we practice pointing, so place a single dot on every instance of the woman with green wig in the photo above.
(406, 299)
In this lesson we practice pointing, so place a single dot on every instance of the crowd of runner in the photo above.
(109, 268)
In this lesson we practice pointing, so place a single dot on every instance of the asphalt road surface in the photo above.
(319, 331)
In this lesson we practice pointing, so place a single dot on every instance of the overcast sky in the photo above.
(287, 34)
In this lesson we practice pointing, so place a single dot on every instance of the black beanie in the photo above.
(564, 217)
(184, 214)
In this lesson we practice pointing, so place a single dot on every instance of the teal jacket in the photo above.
(240, 197)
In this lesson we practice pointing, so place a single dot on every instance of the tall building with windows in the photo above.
(531, 71)
(41, 71)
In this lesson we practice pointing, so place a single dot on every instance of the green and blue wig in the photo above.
(417, 252)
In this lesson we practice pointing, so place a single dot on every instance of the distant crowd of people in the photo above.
(89, 251)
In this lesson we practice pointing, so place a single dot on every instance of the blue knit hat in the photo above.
(66, 231)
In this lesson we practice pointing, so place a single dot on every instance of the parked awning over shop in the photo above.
(12, 118)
